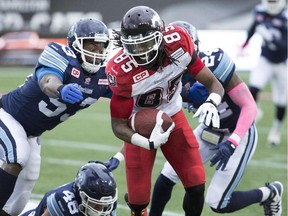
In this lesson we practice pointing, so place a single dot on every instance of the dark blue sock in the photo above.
(161, 195)
(240, 200)
(7, 184)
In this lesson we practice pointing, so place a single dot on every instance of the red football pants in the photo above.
(181, 151)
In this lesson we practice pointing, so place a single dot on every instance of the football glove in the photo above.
(208, 114)
(112, 164)
(223, 154)
(114, 161)
(70, 93)
(158, 137)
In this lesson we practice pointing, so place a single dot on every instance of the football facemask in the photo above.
(142, 50)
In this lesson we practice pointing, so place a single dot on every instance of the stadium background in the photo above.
(88, 135)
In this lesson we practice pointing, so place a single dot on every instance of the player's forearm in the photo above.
(121, 129)
(242, 97)
(49, 84)
(206, 77)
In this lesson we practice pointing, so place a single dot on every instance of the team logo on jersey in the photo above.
(75, 73)
(177, 54)
(111, 80)
(102, 82)
(140, 76)
(87, 80)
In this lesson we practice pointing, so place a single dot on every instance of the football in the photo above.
(143, 122)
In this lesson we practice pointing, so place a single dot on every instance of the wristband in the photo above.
(235, 139)
(119, 156)
(214, 98)
(140, 141)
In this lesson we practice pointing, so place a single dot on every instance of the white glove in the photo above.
(158, 137)
(208, 112)
(264, 32)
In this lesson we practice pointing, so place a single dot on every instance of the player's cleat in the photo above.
(274, 137)
(273, 205)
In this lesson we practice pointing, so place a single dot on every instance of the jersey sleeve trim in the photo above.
(225, 69)
(52, 206)
(40, 72)
(53, 59)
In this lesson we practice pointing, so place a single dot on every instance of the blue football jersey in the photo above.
(62, 200)
(223, 67)
(275, 50)
(37, 112)
(59, 201)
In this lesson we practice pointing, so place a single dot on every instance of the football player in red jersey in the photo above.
(146, 73)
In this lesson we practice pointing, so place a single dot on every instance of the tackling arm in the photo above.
(242, 97)
(207, 112)
(206, 77)
(49, 84)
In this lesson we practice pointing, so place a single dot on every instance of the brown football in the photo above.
(143, 121)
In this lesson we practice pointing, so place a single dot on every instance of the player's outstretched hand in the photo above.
(158, 137)
(112, 164)
(70, 93)
(223, 154)
(208, 114)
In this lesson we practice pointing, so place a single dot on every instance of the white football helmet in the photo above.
(274, 7)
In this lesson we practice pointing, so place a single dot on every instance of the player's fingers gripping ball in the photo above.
(153, 124)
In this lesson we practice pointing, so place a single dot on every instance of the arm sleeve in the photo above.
(242, 97)
(40, 72)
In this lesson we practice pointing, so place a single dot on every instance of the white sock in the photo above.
(265, 193)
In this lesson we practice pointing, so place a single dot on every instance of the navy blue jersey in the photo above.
(62, 200)
(59, 201)
(223, 68)
(275, 50)
(34, 110)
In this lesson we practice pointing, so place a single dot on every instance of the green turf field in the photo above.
(88, 136)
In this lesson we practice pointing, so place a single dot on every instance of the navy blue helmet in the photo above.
(191, 30)
(97, 189)
(93, 30)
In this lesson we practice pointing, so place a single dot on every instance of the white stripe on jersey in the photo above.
(53, 207)
(224, 68)
(51, 58)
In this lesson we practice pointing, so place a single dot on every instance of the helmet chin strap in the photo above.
(90, 68)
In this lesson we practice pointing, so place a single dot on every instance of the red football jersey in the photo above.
(153, 89)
